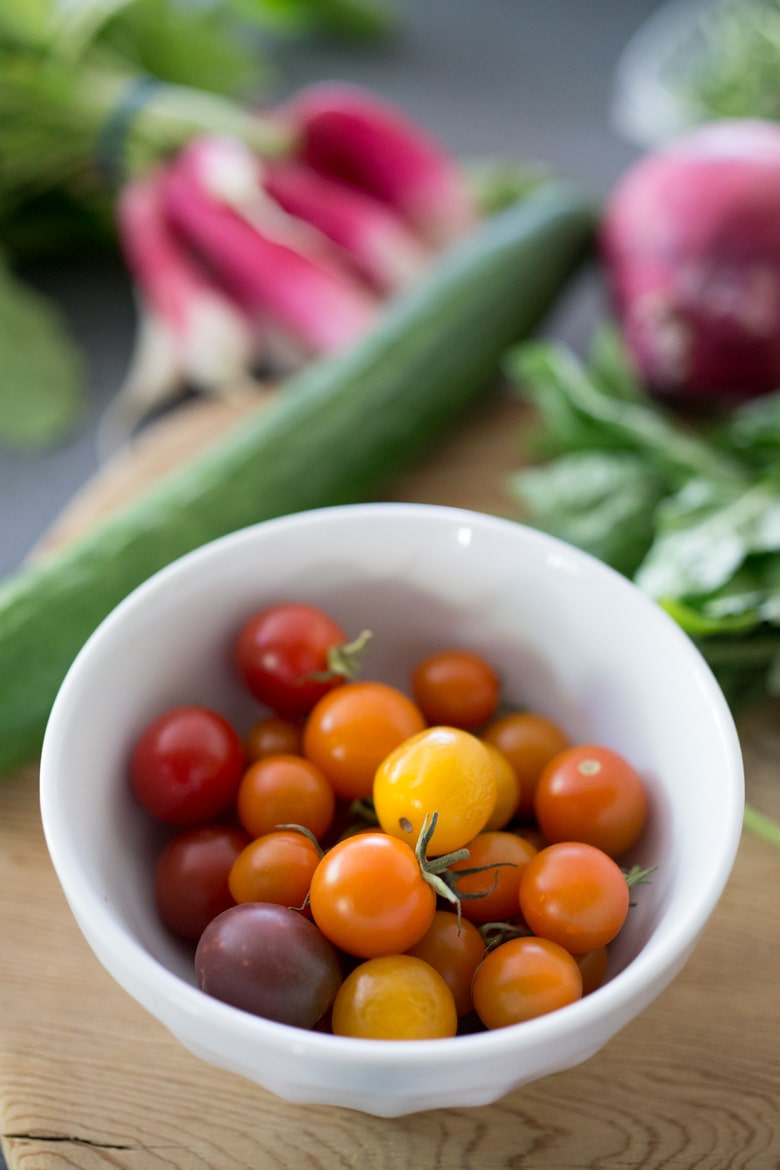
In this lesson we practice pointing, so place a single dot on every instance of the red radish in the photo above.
(375, 239)
(350, 134)
(188, 330)
(691, 245)
(273, 265)
(213, 339)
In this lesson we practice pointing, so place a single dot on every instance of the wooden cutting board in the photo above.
(88, 1079)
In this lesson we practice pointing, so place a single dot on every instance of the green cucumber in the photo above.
(336, 433)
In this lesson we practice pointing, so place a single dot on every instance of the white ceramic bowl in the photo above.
(570, 637)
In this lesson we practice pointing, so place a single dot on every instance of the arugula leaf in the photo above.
(581, 412)
(41, 369)
(692, 517)
(706, 532)
(602, 501)
(752, 432)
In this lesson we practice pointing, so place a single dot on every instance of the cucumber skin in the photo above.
(337, 433)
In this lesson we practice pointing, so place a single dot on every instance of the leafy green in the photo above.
(602, 501)
(41, 371)
(66, 68)
(732, 67)
(692, 516)
(90, 91)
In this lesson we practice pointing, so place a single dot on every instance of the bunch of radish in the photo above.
(240, 260)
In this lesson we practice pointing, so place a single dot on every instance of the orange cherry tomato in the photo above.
(456, 688)
(369, 896)
(524, 978)
(575, 895)
(507, 789)
(529, 741)
(492, 895)
(285, 790)
(394, 997)
(272, 736)
(442, 770)
(454, 949)
(277, 867)
(353, 728)
(593, 968)
(590, 793)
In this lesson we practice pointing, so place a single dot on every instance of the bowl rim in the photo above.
(614, 1003)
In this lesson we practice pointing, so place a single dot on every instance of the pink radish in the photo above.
(370, 233)
(273, 265)
(350, 134)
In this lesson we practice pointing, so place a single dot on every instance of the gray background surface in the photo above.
(520, 78)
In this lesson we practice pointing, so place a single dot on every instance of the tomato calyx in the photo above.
(638, 876)
(437, 871)
(293, 828)
(343, 661)
(496, 933)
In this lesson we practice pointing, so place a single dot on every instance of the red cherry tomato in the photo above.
(454, 949)
(272, 736)
(191, 883)
(456, 688)
(491, 895)
(528, 740)
(590, 793)
(186, 766)
(593, 968)
(281, 650)
(285, 790)
(524, 978)
(276, 868)
(575, 895)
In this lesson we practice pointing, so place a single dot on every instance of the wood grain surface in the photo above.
(89, 1080)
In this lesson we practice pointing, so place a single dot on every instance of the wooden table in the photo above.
(88, 1079)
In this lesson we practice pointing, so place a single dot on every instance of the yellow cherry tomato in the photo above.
(441, 770)
(508, 790)
(394, 997)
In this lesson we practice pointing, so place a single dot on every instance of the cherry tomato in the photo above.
(191, 877)
(273, 736)
(529, 741)
(351, 730)
(285, 790)
(280, 651)
(277, 867)
(186, 766)
(575, 895)
(369, 897)
(270, 961)
(491, 896)
(507, 789)
(394, 997)
(590, 793)
(443, 770)
(593, 968)
(524, 978)
(454, 949)
(456, 688)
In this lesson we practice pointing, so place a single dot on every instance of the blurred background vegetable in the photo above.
(93, 92)
(695, 61)
(692, 515)
(691, 251)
